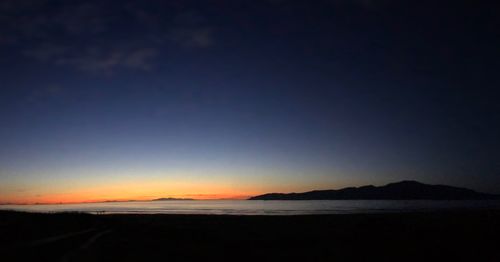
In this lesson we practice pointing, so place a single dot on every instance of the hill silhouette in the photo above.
(404, 190)
(171, 199)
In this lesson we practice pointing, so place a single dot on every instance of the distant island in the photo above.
(171, 199)
(404, 190)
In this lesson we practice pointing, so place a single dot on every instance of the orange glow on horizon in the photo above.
(127, 192)
(75, 200)
(134, 188)
(81, 197)
(117, 195)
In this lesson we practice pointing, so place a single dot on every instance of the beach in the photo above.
(432, 236)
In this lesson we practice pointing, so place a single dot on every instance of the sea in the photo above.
(262, 207)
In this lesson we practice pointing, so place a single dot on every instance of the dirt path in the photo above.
(73, 246)
(50, 240)
(79, 252)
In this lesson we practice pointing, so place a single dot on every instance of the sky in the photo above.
(116, 100)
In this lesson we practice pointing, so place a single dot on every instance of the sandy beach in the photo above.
(436, 236)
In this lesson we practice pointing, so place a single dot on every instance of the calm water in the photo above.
(243, 207)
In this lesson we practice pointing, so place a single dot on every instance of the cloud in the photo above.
(82, 19)
(189, 29)
(193, 37)
(6, 39)
(46, 52)
(96, 59)
(88, 36)
(140, 58)
(51, 92)
(364, 4)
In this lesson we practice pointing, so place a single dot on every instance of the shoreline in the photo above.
(264, 207)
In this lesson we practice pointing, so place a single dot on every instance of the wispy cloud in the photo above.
(193, 37)
(190, 30)
(100, 59)
(87, 37)
(51, 92)
(95, 58)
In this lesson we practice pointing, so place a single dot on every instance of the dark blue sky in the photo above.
(277, 95)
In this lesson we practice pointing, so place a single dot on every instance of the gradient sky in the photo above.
(110, 100)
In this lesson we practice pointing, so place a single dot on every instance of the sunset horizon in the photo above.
(146, 100)
(262, 130)
(76, 197)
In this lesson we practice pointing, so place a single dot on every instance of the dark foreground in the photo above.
(446, 236)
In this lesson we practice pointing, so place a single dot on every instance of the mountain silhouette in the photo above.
(404, 190)
(171, 199)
